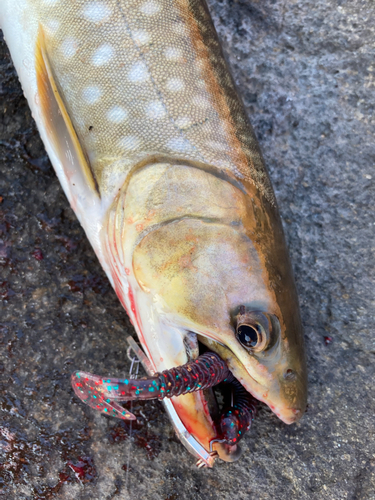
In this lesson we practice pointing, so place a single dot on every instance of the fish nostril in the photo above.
(290, 375)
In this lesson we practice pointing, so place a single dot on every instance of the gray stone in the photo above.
(306, 73)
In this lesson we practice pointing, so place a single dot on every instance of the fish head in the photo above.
(220, 278)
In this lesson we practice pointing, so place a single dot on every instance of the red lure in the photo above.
(202, 373)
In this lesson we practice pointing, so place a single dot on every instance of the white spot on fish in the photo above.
(173, 54)
(130, 143)
(117, 114)
(155, 110)
(216, 145)
(52, 26)
(138, 72)
(183, 122)
(150, 8)
(141, 37)
(180, 29)
(102, 55)
(175, 84)
(96, 11)
(91, 94)
(179, 144)
(201, 101)
(69, 47)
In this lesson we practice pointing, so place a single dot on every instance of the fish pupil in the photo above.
(248, 336)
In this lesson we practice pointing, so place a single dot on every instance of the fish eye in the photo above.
(249, 336)
(253, 330)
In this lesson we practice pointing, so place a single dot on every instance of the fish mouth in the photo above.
(221, 400)
(219, 397)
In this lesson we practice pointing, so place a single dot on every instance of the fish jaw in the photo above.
(184, 244)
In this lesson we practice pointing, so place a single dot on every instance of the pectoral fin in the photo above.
(58, 125)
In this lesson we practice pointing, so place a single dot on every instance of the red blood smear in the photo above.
(328, 340)
(37, 254)
(74, 287)
(84, 469)
(118, 433)
(64, 478)
(46, 493)
(142, 438)
(150, 444)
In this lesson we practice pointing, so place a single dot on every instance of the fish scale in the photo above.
(141, 71)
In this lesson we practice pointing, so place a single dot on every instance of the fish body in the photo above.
(151, 143)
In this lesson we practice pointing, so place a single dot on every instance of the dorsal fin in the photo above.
(58, 125)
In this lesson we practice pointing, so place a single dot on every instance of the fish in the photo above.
(152, 145)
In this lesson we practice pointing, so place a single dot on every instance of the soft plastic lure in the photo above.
(206, 371)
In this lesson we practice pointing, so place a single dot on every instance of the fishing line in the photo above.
(134, 361)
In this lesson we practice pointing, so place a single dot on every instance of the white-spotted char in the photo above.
(152, 145)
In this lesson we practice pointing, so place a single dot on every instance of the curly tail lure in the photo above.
(202, 373)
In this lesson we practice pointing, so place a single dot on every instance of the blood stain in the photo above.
(84, 469)
(37, 254)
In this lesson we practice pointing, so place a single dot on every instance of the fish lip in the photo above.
(295, 410)
(291, 419)
(298, 414)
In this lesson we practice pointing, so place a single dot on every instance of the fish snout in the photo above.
(291, 415)
(294, 405)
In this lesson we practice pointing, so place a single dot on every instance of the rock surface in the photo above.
(307, 76)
